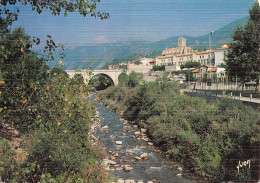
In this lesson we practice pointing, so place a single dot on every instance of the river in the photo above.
(157, 168)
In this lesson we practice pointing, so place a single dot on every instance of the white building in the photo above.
(220, 55)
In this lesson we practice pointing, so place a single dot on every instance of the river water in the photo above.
(157, 167)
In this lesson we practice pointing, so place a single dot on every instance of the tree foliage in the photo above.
(158, 67)
(134, 79)
(123, 79)
(46, 107)
(243, 57)
(190, 65)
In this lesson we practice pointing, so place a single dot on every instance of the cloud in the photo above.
(101, 39)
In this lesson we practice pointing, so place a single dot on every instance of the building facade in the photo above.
(220, 55)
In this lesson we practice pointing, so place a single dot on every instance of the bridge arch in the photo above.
(113, 74)
(101, 81)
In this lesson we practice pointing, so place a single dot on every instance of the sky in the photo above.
(135, 20)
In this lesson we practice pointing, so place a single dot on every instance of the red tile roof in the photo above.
(196, 70)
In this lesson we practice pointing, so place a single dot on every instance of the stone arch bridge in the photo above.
(113, 74)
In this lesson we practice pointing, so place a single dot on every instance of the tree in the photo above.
(134, 79)
(243, 58)
(22, 75)
(123, 79)
(190, 65)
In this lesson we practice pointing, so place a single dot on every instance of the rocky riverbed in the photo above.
(131, 156)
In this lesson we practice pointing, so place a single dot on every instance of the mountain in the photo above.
(101, 54)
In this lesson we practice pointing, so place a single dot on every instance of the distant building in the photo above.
(181, 49)
(142, 65)
(111, 67)
(220, 55)
(204, 69)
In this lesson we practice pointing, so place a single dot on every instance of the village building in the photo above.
(220, 55)
(142, 65)
(205, 71)
(208, 71)
(181, 49)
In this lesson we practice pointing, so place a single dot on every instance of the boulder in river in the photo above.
(144, 156)
(138, 158)
(118, 142)
(110, 162)
(120, 181)
(104, 127)
(127, 168)
(129, 181)
(150, 144)
(137, 133)
(179, 168)
(143, 130)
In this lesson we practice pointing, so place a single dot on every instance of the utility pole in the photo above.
(209, 81)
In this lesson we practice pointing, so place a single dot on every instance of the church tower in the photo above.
(181, 42)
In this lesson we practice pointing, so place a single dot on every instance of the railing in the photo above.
(249, 95)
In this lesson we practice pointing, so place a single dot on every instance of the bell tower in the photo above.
(181, 42)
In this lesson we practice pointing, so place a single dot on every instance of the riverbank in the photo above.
(210, 140)
(131, 155)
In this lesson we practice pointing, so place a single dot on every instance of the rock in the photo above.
(143, 130)
(115, 155)
(179, 174)
(127, 168)
(137, 133)
(146, 139)
(110, 162)
(104, 127)
(158, 150)
(144, 156)
(118, 169)
(150, 144)
(118, 142)
(179, 168)
(138, 158)
(120, 181)
(129, 181)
